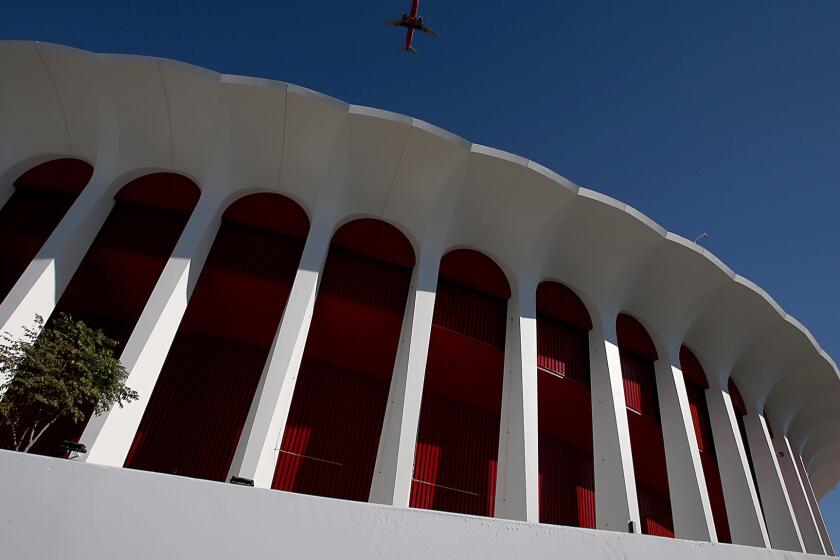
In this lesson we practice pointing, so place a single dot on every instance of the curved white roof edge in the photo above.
(58, 100)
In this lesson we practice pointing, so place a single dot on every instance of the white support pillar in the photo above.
(40, 286)
(796, 491)
(616, 502)
(690, 506)
(778, 514)
(814, 505)
(109, 436)
(743, 510)
(395, 458)
(517, 480)
(259, 445)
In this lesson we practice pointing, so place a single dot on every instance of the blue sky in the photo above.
(713, 116)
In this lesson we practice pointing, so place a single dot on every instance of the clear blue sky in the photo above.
(718, 116)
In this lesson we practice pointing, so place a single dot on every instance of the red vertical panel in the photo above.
(639, 384)
(456, 458)
(567, 484)
(472, 313)
(332, 434)
(563, 349)
(199, 406)
(655, 512)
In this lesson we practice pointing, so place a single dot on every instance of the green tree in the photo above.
(65, 369)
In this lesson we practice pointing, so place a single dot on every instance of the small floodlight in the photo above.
(238, 480)
(73, 449)
(703, 235)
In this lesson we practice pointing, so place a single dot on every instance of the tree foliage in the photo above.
(65, 369)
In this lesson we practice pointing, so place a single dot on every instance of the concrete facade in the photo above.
(234, 135)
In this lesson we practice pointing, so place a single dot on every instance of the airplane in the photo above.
(412, 22)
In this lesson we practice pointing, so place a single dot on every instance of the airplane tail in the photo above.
(407, 48)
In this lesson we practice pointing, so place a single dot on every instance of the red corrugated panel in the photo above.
(655, 512)
(26, 221)
(639, 384)
(567, 484)
(711, 471)
(563, 349)
(456, 457)
(64, 175)
(470, 312)
(198, 408)
(366, 280)
(332, 434)
(256, 253)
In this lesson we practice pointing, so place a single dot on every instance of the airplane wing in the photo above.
(426, 29)
(396, 22)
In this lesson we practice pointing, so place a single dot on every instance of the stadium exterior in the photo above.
(350, 305)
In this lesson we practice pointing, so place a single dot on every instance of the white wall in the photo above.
(53, 508)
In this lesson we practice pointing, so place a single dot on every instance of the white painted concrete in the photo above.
(825, 537)
(517, 480)
(395, 458)
(796, 491)
(690, 507)
(746, 523)
(616, 502)
(63, 509)
(778, 513)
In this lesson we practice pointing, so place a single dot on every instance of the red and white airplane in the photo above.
(411, 21)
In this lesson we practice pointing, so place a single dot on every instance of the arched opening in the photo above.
(567, 477)
(198, 408)
(332, 433)
(638, 354)
(458, 437)
(41, 197)
(121, 267)
(696, 385)
(740, 409)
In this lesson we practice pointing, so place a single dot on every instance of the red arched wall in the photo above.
(41, 197)
(458, 437)
(567, 478)
(696, 385)
(195, 416)
(332, 434)
(638, 354)
(118, 273)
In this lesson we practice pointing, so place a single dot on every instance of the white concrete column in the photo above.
(259, 444)
(743, 510)
(616, 502)
(796, 491)
(395, 459)
(814, 505)
(517, 480)
(690, 506)
(778, 513)
(109, 436)
(40, 286)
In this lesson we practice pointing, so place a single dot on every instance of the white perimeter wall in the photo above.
(53, 508)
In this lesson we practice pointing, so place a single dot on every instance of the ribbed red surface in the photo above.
(41, 198)
(567, 484)
(193, 422)
(366, 281)
(196, 413)
(562, 349)
(655, 511)
(332, 434)
(639, 384)
(455, 459)
(470, 312)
